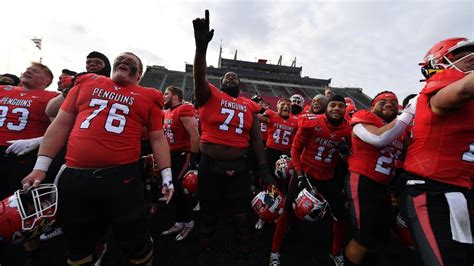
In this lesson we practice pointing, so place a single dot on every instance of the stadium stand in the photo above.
(270, 81)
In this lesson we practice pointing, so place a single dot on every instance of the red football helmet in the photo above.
(297, 99)
(269, 205)
(440, 56)
(349, 101)
(350, 110)
(190, 183)
(25, 215)
(310, 206)
(284, 167)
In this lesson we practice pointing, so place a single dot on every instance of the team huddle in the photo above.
(95, 157)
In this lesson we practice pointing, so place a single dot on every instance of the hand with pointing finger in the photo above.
(202, 35)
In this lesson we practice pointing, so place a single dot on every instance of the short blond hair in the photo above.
(45, 69)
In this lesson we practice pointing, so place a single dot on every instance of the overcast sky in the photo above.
(375, 45)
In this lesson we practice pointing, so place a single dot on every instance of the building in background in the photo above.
(269, 81)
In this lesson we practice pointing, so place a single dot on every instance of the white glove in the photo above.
(409, 112)
(411, 106)
(23, 146)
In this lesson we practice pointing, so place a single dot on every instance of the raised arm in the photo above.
(453, 96)
(202, 37)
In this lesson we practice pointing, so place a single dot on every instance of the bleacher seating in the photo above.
(281, 90)
(297, 90)
(174, 79)
(271, 86)
(263, 89)
(153, 79)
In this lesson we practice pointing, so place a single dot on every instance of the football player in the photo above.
(377, 143)
(96, 63)
(439, 163)
(181, 130)
(23, 121)
(103, 119)
(297, 104)
(314, 153)
(230, 129)
(282, 127)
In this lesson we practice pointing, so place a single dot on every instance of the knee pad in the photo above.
(143, 255)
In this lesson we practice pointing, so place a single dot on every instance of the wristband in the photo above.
(43, 163)
(166, 176)
(405, 118)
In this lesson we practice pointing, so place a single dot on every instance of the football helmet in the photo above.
(269, 205)
(284, 167)
(297, 99)
(350, 110)
(257, 98)
(190, 183)
(349, 101)
(310, 206)
(27, 214)
(440, 56)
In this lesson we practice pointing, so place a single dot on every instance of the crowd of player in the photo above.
(104, 141)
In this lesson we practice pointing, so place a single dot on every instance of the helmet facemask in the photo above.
(36, 204)
(444, 58)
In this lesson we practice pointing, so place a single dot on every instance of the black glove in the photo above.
(343, 148)
(202, 34)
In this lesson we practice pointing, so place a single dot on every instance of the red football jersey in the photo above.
(226, 120)
(22, 113)
(376, 163)
(442, 148)
(178, 138)
(109, 121)
(316, 141)
(281, 132)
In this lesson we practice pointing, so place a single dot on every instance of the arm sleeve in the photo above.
(379, 141)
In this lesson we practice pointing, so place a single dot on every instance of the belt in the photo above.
(103, 172)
